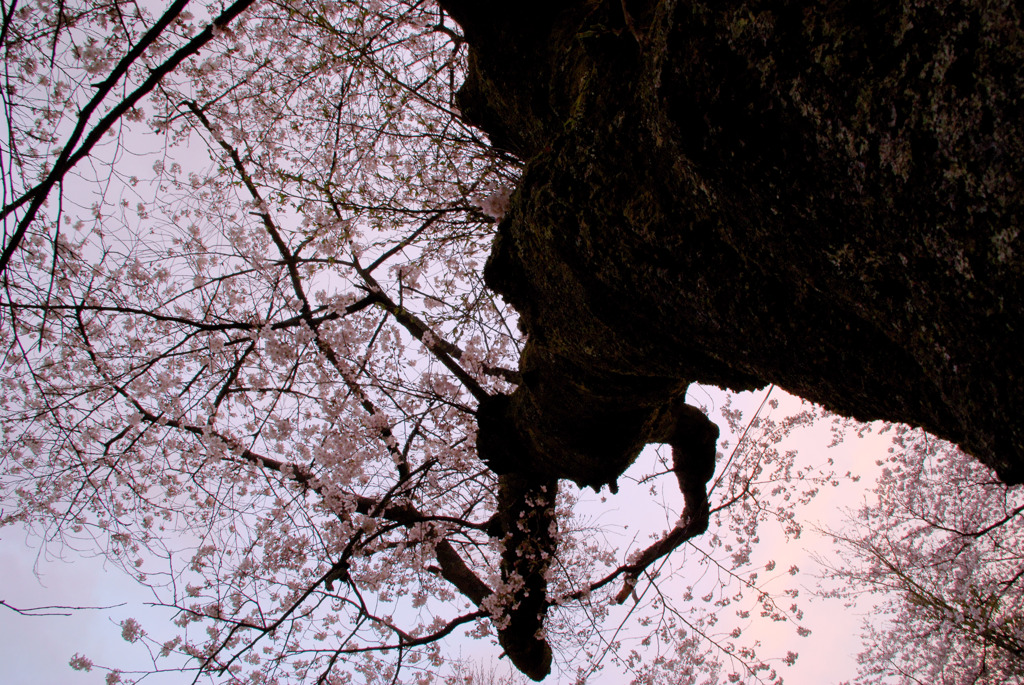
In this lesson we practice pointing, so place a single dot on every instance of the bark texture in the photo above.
(826, 196)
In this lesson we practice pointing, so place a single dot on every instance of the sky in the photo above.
(36, 649)
(828, 655)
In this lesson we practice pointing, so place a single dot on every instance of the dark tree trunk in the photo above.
(825, 196)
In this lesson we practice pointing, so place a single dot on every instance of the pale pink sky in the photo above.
(36, 650)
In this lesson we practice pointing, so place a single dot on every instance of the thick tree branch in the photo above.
(70, 156)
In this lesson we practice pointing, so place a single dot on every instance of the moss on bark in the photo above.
(822, 196)
(826, 197)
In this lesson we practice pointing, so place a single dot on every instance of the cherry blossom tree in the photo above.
(247, 334)
(943, 554)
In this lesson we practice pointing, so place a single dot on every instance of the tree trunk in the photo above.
(822, 196)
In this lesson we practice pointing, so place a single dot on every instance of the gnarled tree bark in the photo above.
(826, 197)
(823, 196)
